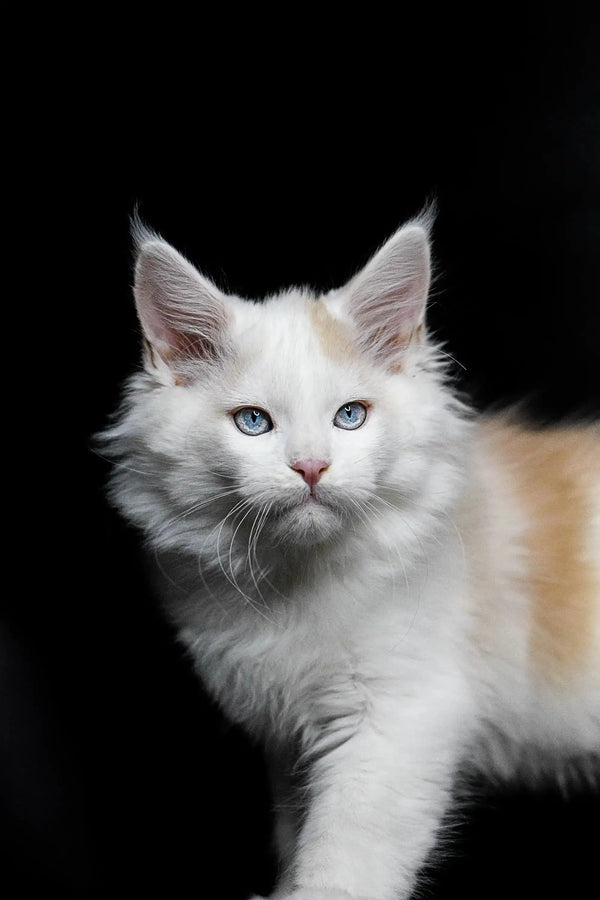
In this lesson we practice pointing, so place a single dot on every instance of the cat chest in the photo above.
(318, 675)
(280, 681)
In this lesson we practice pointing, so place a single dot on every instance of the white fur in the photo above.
(343, 633)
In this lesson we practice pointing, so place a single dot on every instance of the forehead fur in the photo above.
(291, 345)
(295, 326)
(334, 336)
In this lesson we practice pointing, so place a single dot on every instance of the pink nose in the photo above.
(310, 469)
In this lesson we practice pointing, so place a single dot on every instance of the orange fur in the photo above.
(553, 473)
(334, 336)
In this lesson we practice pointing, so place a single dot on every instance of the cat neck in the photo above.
(275, 582)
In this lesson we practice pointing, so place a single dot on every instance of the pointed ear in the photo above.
(387, 298)
(183, 315)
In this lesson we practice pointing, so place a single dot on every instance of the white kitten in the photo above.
(378, 585)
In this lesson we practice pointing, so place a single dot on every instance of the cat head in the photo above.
(289, 421)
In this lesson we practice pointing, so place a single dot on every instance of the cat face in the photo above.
(303, 429)
(297, 418)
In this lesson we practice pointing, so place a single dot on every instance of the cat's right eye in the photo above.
(252, 421)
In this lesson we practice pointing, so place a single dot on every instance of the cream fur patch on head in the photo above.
(335, 337)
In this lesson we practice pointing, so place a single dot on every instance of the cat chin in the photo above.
(307, 524)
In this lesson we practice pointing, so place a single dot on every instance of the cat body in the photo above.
(382, 588)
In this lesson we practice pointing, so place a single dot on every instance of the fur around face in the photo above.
(381, 605)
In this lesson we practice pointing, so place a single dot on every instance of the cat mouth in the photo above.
(308, 503)
(316, 506)
(311, 499)
(315, 499)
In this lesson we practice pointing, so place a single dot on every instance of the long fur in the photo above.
(385, 629)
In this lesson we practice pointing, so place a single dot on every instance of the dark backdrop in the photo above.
(268, 163)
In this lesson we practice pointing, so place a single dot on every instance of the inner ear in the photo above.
(387, 299)
(183, 315)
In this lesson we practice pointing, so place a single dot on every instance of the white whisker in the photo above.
(230, 576)
(253, 537)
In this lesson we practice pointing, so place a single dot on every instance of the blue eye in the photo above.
(252, 421)
(350, 416)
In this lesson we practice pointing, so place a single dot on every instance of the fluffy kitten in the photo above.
(378, 585)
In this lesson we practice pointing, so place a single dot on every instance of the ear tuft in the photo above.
(388, 297)
(183, 315)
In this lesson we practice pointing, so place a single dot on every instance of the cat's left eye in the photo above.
(252, 421)
(350, 415)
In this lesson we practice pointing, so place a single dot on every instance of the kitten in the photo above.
(382, 587)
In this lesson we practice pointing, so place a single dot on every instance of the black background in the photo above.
(269, 159)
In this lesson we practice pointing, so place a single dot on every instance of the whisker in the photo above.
(253, 537)
(361, 511)
(454, 360)
(190, 511)
(238, 508)
(231, 543)
(200, 505)
(125, 467)
(220, 474)
(219, 529)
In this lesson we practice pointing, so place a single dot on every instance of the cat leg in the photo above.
(375, 805)
(287, 815)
